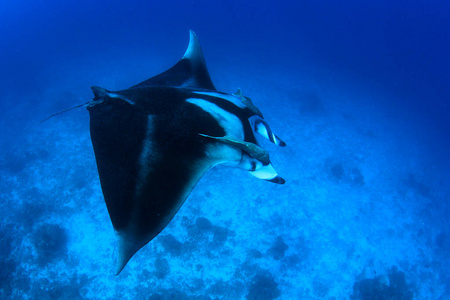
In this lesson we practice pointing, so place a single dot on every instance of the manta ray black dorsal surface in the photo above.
(155, 140)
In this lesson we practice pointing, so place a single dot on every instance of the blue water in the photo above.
(358, 90)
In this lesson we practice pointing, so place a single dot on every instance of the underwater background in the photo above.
(359, 90)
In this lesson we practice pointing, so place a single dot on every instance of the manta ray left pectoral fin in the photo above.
(190, 71)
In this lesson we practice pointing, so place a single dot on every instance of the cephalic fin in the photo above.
(251, 149)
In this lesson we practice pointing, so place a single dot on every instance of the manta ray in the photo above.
(155, 140)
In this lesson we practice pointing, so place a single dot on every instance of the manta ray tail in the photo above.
(66, 110)
(99, 93)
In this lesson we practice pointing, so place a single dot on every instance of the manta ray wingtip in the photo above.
(126, 251)
(193, 38)
(119, 268)
(192, 34)
(193, 51)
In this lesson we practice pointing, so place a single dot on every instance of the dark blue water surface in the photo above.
(360, 91)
